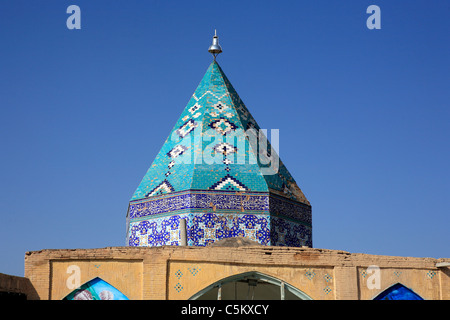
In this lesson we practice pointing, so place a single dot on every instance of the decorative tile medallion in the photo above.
(327, 277)
(194, 270)
(327, 289)
(178, 287)
(178, 274)
(223, 126)
(225, 148)
(397, 273)
(310, 274)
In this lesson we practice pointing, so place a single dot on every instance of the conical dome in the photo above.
(213, 171)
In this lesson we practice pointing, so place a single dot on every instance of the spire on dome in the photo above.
(215, 47)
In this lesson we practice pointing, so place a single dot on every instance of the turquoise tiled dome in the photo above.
(209, 172)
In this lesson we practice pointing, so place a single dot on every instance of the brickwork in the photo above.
(174, 272)
(16, 285)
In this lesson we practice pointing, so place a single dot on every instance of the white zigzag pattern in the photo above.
(218, 98)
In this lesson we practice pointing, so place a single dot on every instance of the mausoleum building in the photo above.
(218, 216)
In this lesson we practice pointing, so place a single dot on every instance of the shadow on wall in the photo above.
(250, 286)
(16, 288)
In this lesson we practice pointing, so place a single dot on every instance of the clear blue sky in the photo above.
(364, 115)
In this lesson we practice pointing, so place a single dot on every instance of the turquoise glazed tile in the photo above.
(209, 172)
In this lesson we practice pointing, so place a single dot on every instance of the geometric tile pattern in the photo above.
(178, 287)
(288, 233)
(206, 228)
(212, 216)
(155, 232)
(223, 200)
(210, 227)
(327, 289)
(178, 274)
(162, 188)
(208, 172)
(194, 270)
(228, 183)
(203, 200)
(310, 274)
(215, 111)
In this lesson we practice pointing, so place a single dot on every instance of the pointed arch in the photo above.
(96, 289)
(398, 292)
(251, 285)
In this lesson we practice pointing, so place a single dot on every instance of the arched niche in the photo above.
(250, 286)
(96, 289)
(398, 292)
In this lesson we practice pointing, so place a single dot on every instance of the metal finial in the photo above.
(215, 48)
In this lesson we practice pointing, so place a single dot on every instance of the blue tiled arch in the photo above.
(398, 292)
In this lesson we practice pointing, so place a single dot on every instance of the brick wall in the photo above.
(180, 272)
(14, 286)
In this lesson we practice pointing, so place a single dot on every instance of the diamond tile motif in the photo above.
(223, 126)
(194, 270)
(327, 289)
(225, 148)
(310, 274)
(431, 274)
(178, 274)
(220, 106)
(397, 273)
(178, 287)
